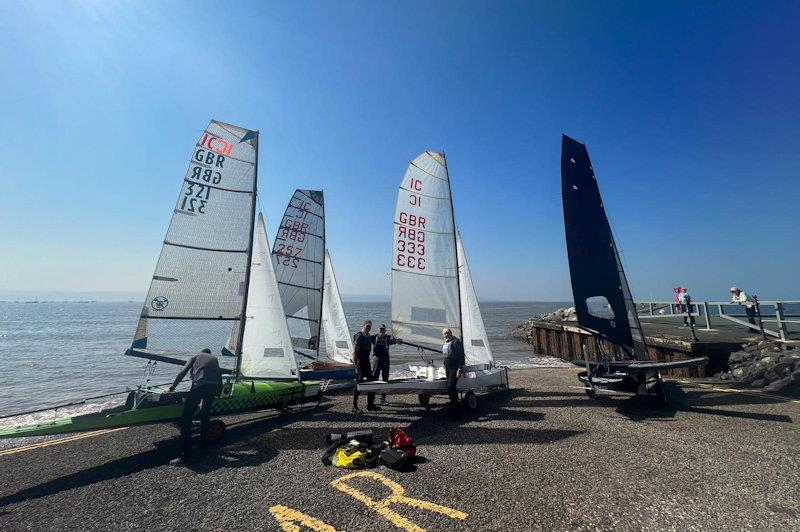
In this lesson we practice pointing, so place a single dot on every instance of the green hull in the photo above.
(158, 407)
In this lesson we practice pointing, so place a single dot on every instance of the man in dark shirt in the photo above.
(454, 362)
(206, 385)
(362, 345)
(380, 350)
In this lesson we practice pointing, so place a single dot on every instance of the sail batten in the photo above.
(202, 268)
(603, 301)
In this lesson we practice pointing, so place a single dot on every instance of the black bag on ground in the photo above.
(363, 436)
(394, 458)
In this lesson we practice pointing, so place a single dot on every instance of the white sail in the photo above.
(338, 344)
(298, 257)
(196, 294)
(476, 343)
(266, 347)
(425, 296)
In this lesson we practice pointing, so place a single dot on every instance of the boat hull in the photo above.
(490, 379)
(155, 406)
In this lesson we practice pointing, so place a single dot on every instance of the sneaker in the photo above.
(179, 462)
(685, 324)
(357, 410)
(373, 408)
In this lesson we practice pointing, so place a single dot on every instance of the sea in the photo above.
(70, 355)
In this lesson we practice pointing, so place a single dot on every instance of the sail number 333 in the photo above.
(410, 250)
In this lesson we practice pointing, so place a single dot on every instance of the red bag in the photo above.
(399, 439)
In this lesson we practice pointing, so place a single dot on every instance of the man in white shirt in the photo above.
(737, 296)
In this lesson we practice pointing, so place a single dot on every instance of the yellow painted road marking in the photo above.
(397, 496)
(58, 441)
(736, 390)
(291, 519)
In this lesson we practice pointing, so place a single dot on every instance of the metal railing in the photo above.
(779, 313)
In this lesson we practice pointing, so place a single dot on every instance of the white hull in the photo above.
(487, 379)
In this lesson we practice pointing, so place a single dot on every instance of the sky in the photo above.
(689, 111)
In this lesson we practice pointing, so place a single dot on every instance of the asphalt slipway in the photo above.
(541, 456)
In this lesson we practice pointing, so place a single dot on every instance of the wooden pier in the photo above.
(667, 341)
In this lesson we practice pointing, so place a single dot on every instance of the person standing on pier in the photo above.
(685, 306)
(454, 361)
(380, 350)
(206, 385)
(362, 345)
(738, 296)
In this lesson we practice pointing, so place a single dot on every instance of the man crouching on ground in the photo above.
(206, 385)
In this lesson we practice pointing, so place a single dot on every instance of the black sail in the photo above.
(603, 299)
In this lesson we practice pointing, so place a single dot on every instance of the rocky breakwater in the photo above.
(524, 331)
(769, 365)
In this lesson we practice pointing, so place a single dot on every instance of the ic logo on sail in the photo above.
(216, 144)
(159, 303)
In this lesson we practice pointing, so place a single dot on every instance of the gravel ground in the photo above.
(542, 456)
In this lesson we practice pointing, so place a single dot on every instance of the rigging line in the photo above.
(426, 172)
(288, 317)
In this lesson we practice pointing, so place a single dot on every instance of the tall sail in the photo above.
(425, 293)
(298, 255)
(603, 299)
(338, 344)
(476, 343)
(266, 346)
(196, 295)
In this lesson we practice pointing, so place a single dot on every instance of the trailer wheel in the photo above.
(471, 400)
(216, 431)
(424, 399)
(661, 395)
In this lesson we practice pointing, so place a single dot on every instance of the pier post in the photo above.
(779, 317)
(758, 317)
(707, 314)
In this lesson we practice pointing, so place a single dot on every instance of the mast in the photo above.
(455, 248)
(322, 289)
(249, 266)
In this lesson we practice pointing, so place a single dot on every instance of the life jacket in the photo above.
(399, 439)
(350, 457)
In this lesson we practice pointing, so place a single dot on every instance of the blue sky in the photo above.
(689, 111)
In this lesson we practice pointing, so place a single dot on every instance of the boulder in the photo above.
(758, 383)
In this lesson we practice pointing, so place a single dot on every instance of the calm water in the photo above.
(56, 353)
